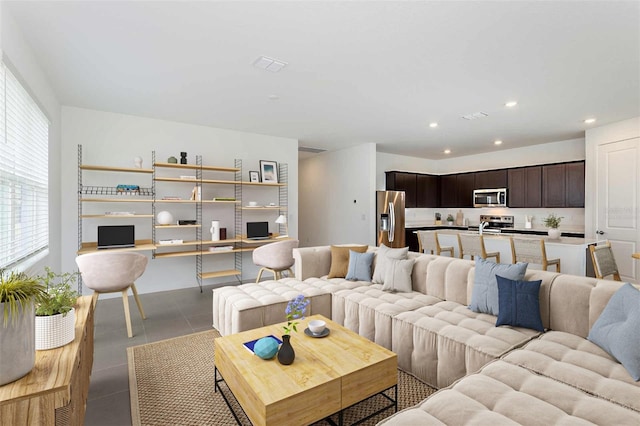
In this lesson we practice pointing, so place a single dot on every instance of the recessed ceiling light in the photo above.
(447, 151)
(269, 64)
(434, 124)
(497, 142)
(273, 97)
(589, 121)
(511, 104)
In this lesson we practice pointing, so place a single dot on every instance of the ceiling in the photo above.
(357, 72)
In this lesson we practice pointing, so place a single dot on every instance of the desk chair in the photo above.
(112, 272)
(532, 250)
(428, 241)
(275, 257)
(604, 264)
(473, 245)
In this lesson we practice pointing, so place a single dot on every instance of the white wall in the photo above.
(18, 56)
(388, 162)
(115, 139)
(337, 197)
(623, 130)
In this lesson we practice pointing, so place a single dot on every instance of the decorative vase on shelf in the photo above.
(554, 233)
(286, 354)
(164, 218)
(215, 230)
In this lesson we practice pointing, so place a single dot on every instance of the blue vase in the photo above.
(286, 354)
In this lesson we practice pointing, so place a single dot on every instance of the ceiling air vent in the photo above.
(309, 149)
(269, 64)
(475, 115)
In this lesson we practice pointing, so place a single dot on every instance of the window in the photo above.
(24, 187)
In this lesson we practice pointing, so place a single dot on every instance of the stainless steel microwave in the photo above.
(490, 197)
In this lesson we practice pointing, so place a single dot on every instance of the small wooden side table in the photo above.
(55, 391)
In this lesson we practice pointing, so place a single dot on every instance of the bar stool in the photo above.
(604, 264)
(473, 245)
(532, 250)
(428, 241)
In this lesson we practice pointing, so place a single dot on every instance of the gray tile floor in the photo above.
(169, 314)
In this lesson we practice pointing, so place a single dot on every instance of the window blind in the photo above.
(24, 186)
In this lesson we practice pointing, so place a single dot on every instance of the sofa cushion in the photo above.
(519, 303)
(340, 259)
(617, 329)
(382, 255)
(484, 298)
(359, 266)
(398, 275)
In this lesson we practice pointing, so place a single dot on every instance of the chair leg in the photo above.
(558, 266)
(259, 275)
(135, 296)
(290, 271)
(498, 258)
(127, 317)
(277, 275)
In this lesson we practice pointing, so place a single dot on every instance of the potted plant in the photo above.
(552, 222)
(18, 296)
(450, 219)
(55, 313)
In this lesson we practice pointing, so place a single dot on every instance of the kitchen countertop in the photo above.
(578, 231)
(574, 241)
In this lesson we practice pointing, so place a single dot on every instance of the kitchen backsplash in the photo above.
(573, 218)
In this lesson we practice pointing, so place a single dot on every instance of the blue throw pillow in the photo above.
(617, 330)
(484, 298)
(359, 266)
(519, 303)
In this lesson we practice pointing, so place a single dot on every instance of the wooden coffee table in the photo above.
(328, 375)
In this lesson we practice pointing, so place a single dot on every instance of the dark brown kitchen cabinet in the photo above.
(403, 181)
(563, 185)
(524, 188)
(466, 184)
(427, 191)
(491, 179)
(448, 191)
(574, 184)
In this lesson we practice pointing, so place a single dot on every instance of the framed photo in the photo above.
(269, 171)
(254, 176)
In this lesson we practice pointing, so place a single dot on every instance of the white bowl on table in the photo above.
(317, 326)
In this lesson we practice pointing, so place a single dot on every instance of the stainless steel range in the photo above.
(493, 224)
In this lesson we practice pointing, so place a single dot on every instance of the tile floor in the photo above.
(169, 314)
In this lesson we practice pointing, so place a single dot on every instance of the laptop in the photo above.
(258, 230)
(120, 236)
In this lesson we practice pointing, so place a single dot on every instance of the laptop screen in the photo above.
(257, 230)
(116, 236)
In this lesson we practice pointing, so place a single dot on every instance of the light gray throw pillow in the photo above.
(398, 275)
(617, 330)
(383, 254)
(484, 298)
(359, 266)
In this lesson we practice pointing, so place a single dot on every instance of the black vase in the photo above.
(286, 354)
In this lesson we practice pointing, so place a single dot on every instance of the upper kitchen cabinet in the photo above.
(563, 185)
(403, 181)
(524, 188)
(491, 179)
(457, 190)
(427, 190)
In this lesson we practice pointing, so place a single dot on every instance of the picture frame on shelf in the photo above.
(269, 171)
(254, 176)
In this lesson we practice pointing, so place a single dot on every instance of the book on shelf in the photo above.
(169, 242)
(196, 193)
(224, 198)
(220, 248)
(188, 177)
(250, 344)
(171, 197)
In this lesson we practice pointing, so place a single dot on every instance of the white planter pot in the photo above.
(55, 330)
(17, 345)
(554, 233)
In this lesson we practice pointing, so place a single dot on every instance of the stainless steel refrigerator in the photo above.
(390, 218)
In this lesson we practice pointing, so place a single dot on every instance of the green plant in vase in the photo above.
(295, 310)
(553, 222)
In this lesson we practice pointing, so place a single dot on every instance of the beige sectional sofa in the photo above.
(487, 374)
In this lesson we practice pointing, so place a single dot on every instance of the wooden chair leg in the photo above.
(259, 275)
(127, 317)
(135, 296)
(498, 258)
(558, 266)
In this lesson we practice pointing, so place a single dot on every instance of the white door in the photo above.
(618, 197)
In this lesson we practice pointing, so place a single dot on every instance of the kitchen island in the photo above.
(573, 252)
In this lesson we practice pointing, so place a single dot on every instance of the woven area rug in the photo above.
(171, 383)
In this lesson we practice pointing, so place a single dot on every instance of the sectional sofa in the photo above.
(486, 374)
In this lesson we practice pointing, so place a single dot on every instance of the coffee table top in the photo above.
(328, 374)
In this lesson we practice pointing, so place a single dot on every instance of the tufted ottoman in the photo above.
(249, 306)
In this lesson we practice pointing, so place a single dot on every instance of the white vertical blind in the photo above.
(24, 198)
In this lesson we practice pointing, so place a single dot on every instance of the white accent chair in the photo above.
(275, 257)
(112, 272)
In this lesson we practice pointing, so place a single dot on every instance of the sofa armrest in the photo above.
(312, 262)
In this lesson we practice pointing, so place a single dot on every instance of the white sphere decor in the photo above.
(164, 218)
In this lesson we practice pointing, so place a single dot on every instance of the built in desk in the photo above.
(55, 390)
